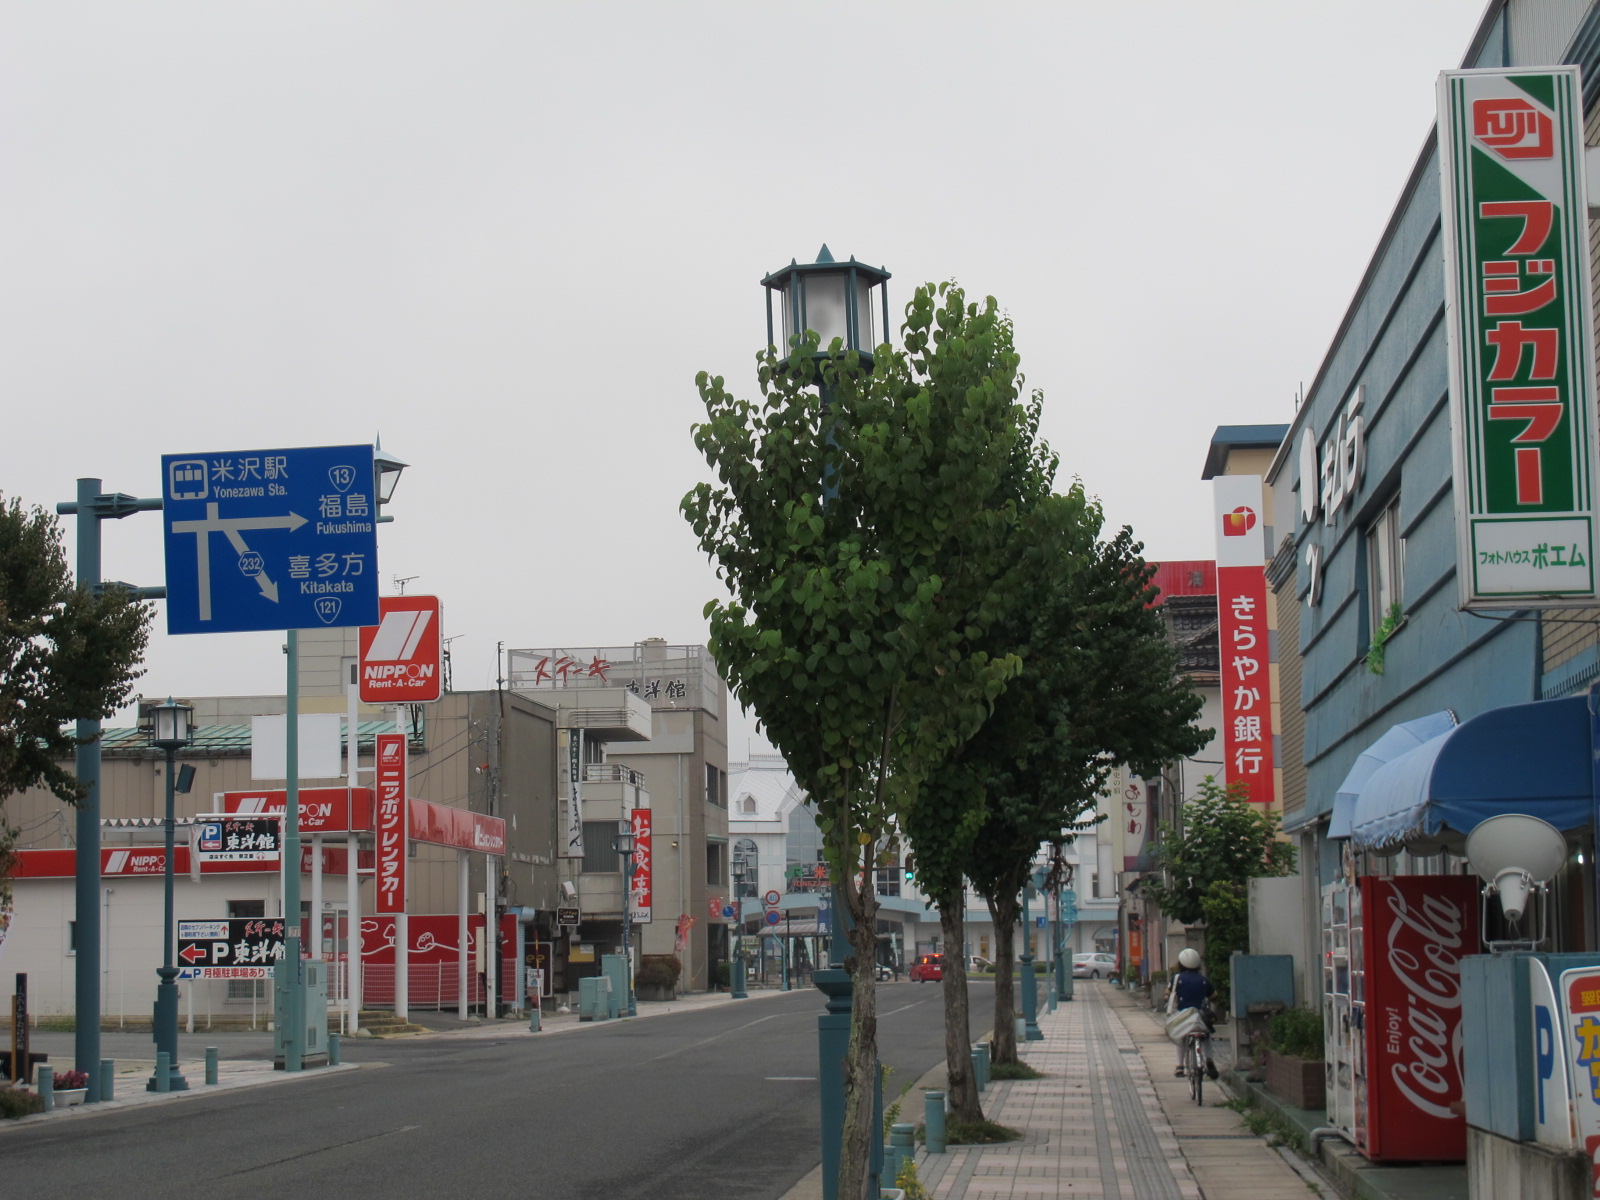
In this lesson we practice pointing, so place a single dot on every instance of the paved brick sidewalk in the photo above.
(1108, 1120)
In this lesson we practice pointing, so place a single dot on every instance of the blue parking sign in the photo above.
(270, 539)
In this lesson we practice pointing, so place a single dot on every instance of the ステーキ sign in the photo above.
(270, 539)
(1519, 321)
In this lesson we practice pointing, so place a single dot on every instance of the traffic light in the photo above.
(911, 871)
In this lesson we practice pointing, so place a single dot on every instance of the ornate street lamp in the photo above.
(835, 299)
(169, 730)
(386, 472)
(623, 845)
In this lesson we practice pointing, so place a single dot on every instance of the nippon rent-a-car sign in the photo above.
(1519, 322)
(402, 655)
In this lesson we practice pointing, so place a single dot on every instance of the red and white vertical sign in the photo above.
(643, 858)
(1242, 638)
(390, 787)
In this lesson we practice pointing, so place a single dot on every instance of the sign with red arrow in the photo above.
(231, 947)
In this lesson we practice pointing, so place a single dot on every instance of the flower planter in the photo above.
(654, 992)
(1300, 1081)
(67, 1097)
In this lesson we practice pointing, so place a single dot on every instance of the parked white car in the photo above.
(1093, 966)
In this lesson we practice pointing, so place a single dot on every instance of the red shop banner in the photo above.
(390, 786)
(1242, 636)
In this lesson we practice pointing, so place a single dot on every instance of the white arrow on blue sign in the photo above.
(270, 539)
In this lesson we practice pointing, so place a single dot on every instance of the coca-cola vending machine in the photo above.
(1392, 951)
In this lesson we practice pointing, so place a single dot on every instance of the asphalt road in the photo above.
(712, 1103)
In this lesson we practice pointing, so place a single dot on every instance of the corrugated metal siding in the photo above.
(1291, 718)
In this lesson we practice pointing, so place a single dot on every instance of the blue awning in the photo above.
(1524, 758)
(1399, 739)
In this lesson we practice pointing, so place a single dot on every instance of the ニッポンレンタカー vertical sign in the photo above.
(1243, 643)
(1519, 327)
(392, 827)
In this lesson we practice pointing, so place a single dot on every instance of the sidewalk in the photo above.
(1109, 1120)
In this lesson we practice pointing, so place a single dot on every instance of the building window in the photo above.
(717, 863)
(1386, 562)
(716, 787)
(72, 937)
(598, 856)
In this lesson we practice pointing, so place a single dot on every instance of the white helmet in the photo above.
(1189, 959)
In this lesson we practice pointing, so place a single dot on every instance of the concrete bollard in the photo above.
(163, 1072)
(211, 1066)
(108, 1079)
(335, 1050)
(984, 1053)
(45, 1085)
(902, 1140)
(933, 1121)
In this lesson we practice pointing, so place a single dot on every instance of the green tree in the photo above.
(65, 654)
(858, 521)
(1224, 839)
(1099, 686)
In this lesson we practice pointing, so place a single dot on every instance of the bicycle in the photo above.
(1194, 1062)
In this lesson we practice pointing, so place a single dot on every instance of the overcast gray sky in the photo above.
(506, 236)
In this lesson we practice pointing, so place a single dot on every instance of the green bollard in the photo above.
(933, 1121)
(902, 1138)
(108, 1079)
(977, 1070)
(163, 1072)
(536, 1017)
(985, 1052)
(211, 1066)
(334, 1049)
(46, 1086)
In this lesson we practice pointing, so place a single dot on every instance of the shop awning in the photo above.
(1523, 758)
(1400, 739)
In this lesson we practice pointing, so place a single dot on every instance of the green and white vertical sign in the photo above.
(1519, 326)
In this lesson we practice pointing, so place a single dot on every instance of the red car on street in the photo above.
(929, 968)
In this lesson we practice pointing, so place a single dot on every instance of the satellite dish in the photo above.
(1513, 853)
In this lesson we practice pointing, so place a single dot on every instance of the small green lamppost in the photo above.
(623, 845)
(170, 729)
(836, 301)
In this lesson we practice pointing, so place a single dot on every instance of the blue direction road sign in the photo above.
(270, 539)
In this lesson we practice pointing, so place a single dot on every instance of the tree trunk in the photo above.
(1003, 913)
(861, 1064)
(962, 1087)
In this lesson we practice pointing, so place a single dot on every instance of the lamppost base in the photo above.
(175, 1083)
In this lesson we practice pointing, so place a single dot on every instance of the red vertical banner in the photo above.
(390, 787)
(643, 858)
(1243, 639)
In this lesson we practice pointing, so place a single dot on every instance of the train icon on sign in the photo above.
(188, 480)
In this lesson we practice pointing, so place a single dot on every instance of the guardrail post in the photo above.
(933, 1121)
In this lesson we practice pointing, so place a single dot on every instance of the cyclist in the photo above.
(1191, 989)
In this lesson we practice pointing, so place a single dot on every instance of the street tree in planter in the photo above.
(1099, 686)
(861, 532)
(1201, 868)
(65, 653)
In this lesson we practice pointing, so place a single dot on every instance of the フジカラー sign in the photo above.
(1518, 315)
(1242, 636)
(402, 655)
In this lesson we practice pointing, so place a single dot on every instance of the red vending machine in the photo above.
(1392, 951)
